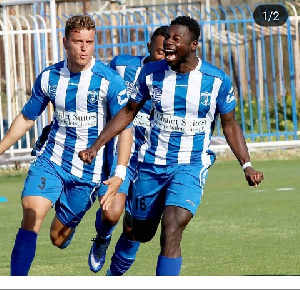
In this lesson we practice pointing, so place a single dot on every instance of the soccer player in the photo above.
(128, 67)
(84, 93)
(187, 94)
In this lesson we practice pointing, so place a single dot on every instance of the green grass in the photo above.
(238, 230)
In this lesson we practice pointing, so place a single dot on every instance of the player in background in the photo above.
(84, 93)
(125, 251)
(187, 93)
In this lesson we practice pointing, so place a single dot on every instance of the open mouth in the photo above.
(170, 54)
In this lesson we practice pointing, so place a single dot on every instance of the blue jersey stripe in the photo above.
(181, 90)
(150, 158)
(205, 96)
(173, 147)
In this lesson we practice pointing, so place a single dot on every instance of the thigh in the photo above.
(75, 201)
(186, 187)
(35, 209)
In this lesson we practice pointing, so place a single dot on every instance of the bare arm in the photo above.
(124, 146)
(18, 128)
(114, 127)
(235, 139)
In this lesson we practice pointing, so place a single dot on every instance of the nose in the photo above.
(83, 46)
(167, 41)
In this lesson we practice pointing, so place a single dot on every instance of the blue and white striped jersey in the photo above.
(185, 108)
(129, 67)
(83, 103)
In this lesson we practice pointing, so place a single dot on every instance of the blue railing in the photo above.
(259, 60)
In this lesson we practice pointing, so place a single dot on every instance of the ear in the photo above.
(149, 46)
(65, 43)
(194, 45)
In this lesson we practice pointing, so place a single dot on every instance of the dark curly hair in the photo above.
(79, 22)
(190, 23)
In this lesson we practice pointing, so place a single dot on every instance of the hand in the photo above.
(253, 177)
(113, 184)
(87, 155)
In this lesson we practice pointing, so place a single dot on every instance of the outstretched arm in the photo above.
(235, 139)
(18, 128)
(114, 127)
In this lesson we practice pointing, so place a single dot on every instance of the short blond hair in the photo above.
(79, 22)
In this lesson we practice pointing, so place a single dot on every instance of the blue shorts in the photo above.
(71, 195)
(157, 186)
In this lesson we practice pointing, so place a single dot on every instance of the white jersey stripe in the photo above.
(45, 81)
(58, 148)
(193, 95)
(162, 148)
(186, 149)
(167, 97)
(121, 70)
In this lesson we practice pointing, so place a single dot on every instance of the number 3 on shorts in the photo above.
(43, 183)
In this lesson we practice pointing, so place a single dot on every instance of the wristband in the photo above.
(247, 164)
(120, 171)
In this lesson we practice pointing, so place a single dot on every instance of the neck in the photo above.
(188, 65)
(76, 68)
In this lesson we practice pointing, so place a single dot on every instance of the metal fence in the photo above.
(263, 62)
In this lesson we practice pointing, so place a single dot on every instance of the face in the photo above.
(80, 48)
(156, 48)
(178, 45)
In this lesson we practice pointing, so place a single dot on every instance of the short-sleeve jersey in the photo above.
(185, 109)
(129, 67)
(83, 103)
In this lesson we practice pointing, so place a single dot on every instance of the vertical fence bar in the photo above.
(274, 83)
(7, 57)
(292, 76)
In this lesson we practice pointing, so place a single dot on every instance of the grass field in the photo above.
(237, 230)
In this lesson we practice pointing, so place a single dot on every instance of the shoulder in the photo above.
(127, 60)
(104, 71)
(155, 66)
(209, 69)
(55, 67)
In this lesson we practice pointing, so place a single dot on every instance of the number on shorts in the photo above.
(43, 183)
(142, 203)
